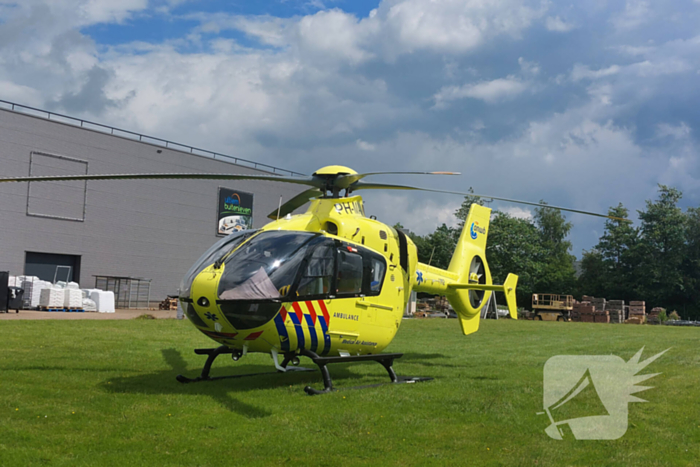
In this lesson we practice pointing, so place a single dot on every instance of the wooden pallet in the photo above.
(61, 310)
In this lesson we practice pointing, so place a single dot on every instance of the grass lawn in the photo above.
(104, 393)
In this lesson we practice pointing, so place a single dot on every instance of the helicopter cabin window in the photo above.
(317, 278)
(350, 268)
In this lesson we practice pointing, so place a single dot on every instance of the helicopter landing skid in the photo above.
(213, 353)
(387, 361)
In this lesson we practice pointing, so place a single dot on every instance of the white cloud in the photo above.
(494, 91)
(635, 50)
(420, 214)
(528, 67)
(637, 13)
(453, 25)
(107, 11)
(663, 67)
(680, 131)
(517, 212)
(21, 94)
(584, 72)
(394, 28)
(365, 146)
(667, 65)
(585, 162)
(557, 24)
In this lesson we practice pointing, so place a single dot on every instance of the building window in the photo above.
(56, 200)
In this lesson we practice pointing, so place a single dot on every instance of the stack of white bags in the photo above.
(88, 303)
(32, 286)
(52, 297)
(72, 298)
(62, 295)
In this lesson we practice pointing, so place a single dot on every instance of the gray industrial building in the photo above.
(151, 229)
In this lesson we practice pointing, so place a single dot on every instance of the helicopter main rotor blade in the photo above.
(166, 176)
(294, 203)
(385, 186)
(344, 181)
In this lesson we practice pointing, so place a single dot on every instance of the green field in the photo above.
(104, 393)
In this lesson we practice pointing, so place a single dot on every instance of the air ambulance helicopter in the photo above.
(330, 284)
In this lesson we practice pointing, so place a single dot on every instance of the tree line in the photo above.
(658, 261)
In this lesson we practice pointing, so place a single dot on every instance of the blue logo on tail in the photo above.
(474, 229)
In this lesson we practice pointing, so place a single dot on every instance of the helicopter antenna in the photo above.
(279, 207)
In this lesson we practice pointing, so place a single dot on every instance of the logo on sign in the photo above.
(234, 199)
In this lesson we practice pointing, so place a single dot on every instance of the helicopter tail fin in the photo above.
(467, 281)
(473, 288)
(470, 321)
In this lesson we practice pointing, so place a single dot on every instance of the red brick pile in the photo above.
(583, 312)
(590, 310)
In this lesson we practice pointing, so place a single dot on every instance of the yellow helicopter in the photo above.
(330, 284)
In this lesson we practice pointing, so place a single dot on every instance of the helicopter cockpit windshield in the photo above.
(214, 254)
(265, 267)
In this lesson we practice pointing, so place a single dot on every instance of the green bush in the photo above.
(662, 316)
(674, 316)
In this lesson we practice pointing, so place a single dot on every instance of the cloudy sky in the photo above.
(583, 104)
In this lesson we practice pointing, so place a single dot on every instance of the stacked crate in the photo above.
(583, 312)
(601, 315)
(637, 312)
(653, 317)
(599, 304)
(586, 311)
(575, 314)
(616, 308)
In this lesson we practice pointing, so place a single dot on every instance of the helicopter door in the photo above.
(345, 316)
(376, 309)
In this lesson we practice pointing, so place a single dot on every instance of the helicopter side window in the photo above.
(376, 270)
(349, 278)
(317, 277)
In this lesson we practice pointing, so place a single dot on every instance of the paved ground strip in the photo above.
(118, 314)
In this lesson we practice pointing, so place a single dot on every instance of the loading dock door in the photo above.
(44, 266)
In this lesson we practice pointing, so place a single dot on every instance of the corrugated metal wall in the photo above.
(150, 228)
